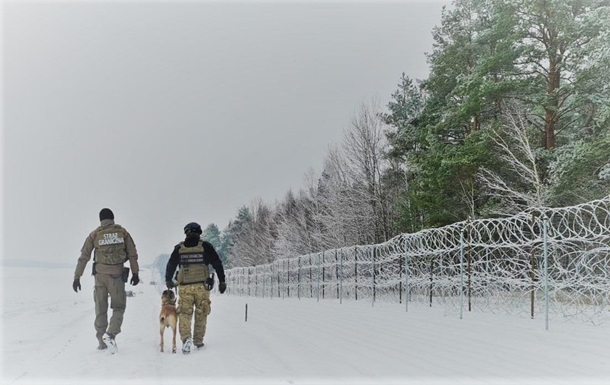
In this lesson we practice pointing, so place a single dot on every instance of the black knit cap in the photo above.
(106, 214)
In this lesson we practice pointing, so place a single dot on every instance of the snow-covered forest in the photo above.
(515, 114)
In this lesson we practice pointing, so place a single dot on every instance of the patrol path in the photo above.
(48, 338)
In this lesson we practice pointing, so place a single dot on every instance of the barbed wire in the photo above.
(551, 261)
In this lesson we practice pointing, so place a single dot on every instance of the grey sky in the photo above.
(173, 112)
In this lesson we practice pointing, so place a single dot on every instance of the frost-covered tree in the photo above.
(364, 148)
(405, 108)
(294, 227)
(557, 40)
(337, 212)
(212, 234)
(581, 171)
(517, 182)
(548, 56)
(233, 232)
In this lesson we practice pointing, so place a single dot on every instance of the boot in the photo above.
(186, 345)
(101, 345)
(110, 342)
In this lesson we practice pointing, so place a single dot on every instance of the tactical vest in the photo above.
(193, 268)
(109, 243)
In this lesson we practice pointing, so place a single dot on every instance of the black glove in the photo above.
(76, 285)
(135, 279)
(210, 283)
(222, 287)
(170, 284)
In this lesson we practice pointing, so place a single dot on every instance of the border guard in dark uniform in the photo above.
(192, 257)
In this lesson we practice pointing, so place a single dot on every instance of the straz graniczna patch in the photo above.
(111, 239)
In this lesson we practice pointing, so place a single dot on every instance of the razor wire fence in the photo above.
(545, 261)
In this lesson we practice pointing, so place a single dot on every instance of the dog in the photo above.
(168, 316)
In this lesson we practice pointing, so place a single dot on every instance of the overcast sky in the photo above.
(172, 112)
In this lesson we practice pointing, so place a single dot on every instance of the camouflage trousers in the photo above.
(113, 286)
(193, 298)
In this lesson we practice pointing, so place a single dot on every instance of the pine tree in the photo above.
(212, 234)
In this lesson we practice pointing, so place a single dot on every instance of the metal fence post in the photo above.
(319, 276)
(406, 278)
(310, 277)
(341, 276)
(546, 270)
(461, 273)
(356, 273)
(374, 252)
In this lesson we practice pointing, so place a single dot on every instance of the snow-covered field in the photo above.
(48, 338)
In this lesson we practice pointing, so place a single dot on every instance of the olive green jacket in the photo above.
(112, 269)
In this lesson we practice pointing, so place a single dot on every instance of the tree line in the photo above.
(515, 113)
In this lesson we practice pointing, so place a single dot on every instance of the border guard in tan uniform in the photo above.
(112, 246)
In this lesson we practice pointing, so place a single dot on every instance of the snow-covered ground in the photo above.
(48, 338)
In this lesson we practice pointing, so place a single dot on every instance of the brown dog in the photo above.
(168, 316)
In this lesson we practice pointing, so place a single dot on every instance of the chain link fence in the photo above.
(544, 262)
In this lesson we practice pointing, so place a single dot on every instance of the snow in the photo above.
(48, 338)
